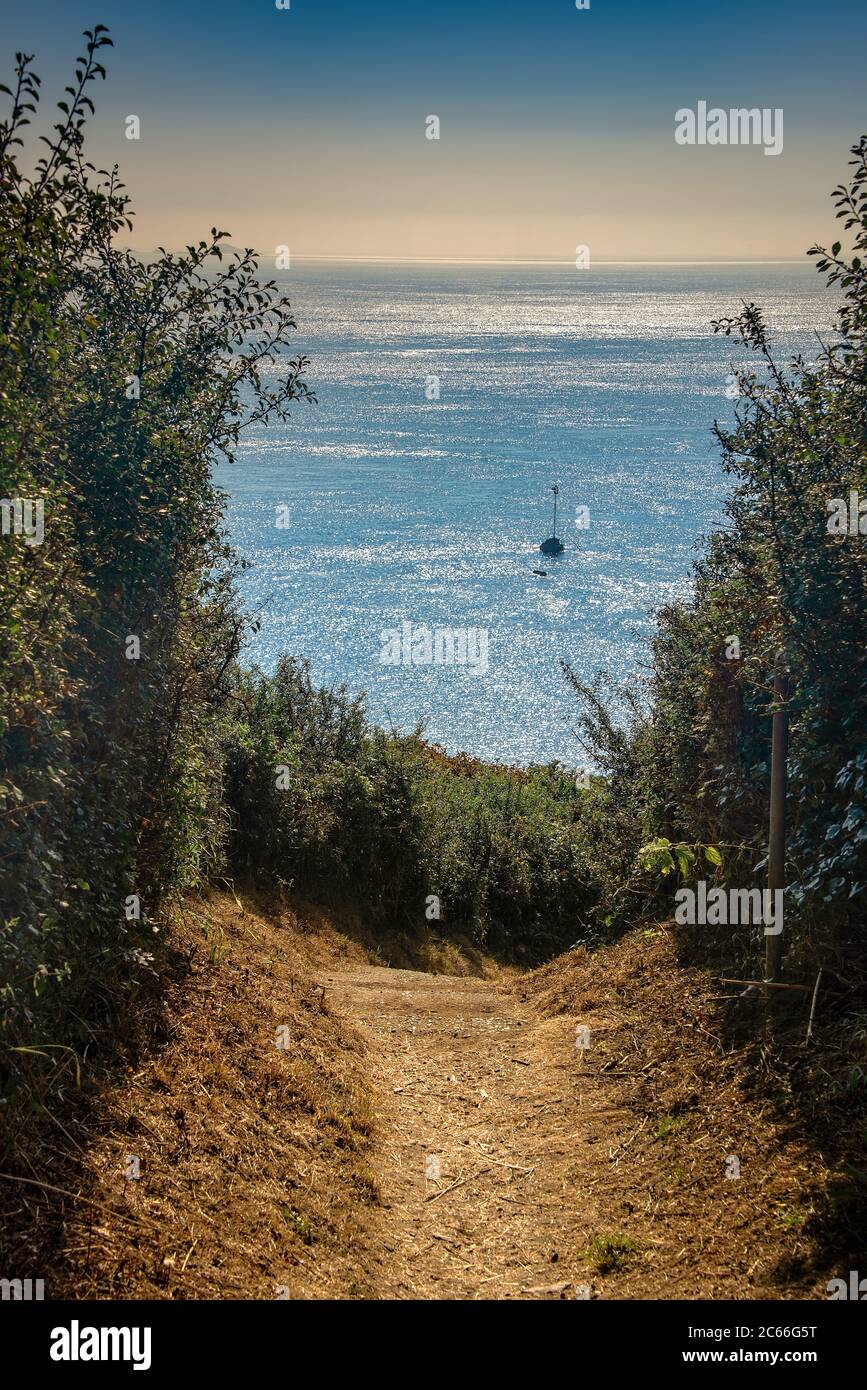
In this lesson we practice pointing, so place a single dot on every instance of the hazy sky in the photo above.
(306, 126)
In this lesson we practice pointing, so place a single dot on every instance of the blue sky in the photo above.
(306, 126)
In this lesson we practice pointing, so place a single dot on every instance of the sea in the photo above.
(392, 529)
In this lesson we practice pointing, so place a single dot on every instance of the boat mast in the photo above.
(553, 546)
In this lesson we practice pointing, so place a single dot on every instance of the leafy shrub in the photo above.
(120, 383)
(322, 800)
(694, 766)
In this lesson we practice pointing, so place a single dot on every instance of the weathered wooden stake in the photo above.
(777, 826)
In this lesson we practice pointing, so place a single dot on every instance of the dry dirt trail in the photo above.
(426, 1135)
(481, 1138)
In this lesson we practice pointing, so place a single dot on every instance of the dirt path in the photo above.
(482, 1143)
(428, 1136)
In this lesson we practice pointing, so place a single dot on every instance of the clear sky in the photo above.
(306, 126)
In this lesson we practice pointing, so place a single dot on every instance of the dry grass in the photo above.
(303, 1169)
(701, 1078)
(253, 1160)
(469, 1080)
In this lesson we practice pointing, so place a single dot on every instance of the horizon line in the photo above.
(520, 260)
(495, 260)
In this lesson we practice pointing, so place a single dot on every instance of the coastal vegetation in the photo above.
(120, 382)
(141, 760)
(138, 760)
(780, 584)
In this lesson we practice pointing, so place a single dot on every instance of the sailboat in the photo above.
(553, 545)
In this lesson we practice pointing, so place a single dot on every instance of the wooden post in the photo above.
(777, 825)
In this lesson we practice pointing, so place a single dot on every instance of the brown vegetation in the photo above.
(305, 1171)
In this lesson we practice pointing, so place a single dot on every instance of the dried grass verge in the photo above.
(704, 1086)
(252, 1158)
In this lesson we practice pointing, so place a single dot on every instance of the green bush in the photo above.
(120, 383)
(694, 765)
(321, 800)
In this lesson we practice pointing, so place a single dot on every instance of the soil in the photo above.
(310, 1123)
(481, 1150)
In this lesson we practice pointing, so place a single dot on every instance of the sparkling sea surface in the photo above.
(399, 509)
